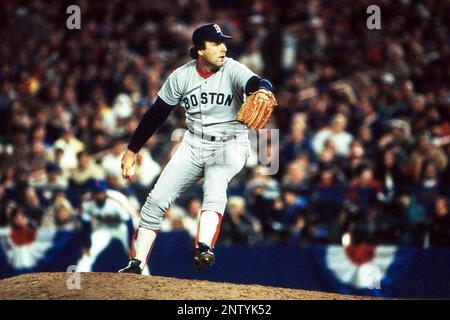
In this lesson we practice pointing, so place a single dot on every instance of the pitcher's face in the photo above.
(214, 53)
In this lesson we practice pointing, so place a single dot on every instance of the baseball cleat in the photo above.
(133, 267)
(204, 257)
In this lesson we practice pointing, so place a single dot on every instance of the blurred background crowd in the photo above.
(363, 115)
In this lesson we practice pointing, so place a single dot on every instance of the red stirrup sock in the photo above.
(208, 228)
(142, 245)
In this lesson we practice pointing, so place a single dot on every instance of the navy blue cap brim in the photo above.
(218, 38)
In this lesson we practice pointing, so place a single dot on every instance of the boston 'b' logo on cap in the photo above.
(208, 32)
(217, 28)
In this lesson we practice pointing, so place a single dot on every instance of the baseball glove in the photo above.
(256, 111)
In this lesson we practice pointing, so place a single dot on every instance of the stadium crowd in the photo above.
(363, 115)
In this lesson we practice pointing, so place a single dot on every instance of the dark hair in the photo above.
(82, 153)
(424, 167)
(193, 51)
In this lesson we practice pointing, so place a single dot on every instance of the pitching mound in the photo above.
(107, 286)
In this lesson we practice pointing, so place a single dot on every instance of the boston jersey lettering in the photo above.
(211, 98)
(210, 104)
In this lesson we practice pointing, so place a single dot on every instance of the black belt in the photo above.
(213, 138)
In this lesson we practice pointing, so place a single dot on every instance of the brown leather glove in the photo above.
(256, 111)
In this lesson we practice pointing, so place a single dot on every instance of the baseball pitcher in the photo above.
(211, 89)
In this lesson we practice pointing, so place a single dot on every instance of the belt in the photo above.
(213, 138)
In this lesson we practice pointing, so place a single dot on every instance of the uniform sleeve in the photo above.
(171, 91)
(125, 212)
(85, 212)
(152, 120)
(239, 74)
(124, 208)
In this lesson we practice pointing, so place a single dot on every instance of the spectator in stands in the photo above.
(146, 171)
(252, 57)
(328, 154)
(52, 181)
(238, 225)
(38, 156)
(261, 192)
(366, 138)
(6, 211)
(191, 219)
(294, 207)
(23, 230)
(15, 190)
(389, 171)
(364, 188)
(392, 90)
(398, 136)
(173, 219)
(33, 208)
(356, 158)
(261, 183)
(99, 141)
(38, 135)
(111, 165)
(328, 192)
(86, 170)
(429, 186)
(298, 175)
(70, 146)
(336, 133)
(440, 224)
(415, 220)
(60, 214)
(297, 143)
(426, 151)
(21, 150)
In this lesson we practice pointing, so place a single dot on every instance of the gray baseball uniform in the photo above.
(215, 147)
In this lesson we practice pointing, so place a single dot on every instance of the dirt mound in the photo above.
(107, 286)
